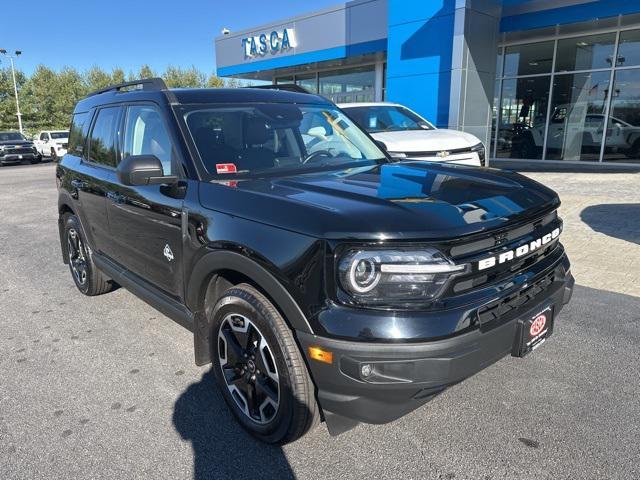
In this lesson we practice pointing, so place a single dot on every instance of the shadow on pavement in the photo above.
(221, 448)
(616, 220)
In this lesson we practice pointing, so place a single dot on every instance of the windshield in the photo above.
(387, 118)
(59, 135)
(277, 138)
(10, 136)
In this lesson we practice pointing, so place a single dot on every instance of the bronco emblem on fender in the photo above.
(168, 253)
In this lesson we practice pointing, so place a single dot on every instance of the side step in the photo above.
(147, 292)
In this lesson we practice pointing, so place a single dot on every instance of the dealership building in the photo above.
(536, 80)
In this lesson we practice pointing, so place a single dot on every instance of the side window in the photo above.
(146, 134)
(78, 133)
(102, 148)
(43, 136)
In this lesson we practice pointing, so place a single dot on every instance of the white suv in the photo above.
(405, 134)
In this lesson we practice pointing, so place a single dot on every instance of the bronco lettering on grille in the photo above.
(521, 251)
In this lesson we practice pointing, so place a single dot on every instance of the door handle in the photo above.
(78, 184)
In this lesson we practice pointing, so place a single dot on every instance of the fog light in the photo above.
(366, 370)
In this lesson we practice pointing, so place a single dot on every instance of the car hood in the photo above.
(408, 200)
(17, 143)
(426, 140)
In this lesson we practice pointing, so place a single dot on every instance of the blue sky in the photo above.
(129, 33)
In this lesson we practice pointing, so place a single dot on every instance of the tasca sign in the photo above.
(269, 43)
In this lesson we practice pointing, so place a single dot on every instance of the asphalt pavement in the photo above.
(106, 387)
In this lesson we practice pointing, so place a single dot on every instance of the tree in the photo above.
(176, 77)
(96, 78)
(117, 76)
(69, 89)
(145, 72)
(214, 81)
(231, 82)
(39, 99)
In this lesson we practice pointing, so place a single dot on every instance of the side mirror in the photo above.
(319, 132)
(381, 145)
(136, 170)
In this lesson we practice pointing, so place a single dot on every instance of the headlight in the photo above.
(480, 150)
(379, 277)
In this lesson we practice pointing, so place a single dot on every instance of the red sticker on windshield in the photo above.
(226, 168)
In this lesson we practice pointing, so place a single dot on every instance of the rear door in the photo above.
(146, 221)
(95, 175)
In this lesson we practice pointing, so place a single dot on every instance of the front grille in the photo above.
(494, 310)
(454, 151)
(472, 252)
(19, 150)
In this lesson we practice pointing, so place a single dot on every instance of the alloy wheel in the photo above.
(77, 256)
(249, 368)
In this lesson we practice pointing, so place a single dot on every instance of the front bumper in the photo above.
(407, 375)
(17, 158)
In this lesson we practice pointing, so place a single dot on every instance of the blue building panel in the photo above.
(419, 56)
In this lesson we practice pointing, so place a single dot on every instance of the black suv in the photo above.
(323, 280)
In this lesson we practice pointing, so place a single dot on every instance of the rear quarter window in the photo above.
(78, 133)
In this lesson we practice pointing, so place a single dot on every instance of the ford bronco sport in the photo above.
(323, 280)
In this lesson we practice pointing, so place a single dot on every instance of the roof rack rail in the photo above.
(287, 87)
(153, 84)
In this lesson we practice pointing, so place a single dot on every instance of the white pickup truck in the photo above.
(52, 143)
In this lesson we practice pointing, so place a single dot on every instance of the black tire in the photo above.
(54, 155)
(38, 159)
(89, 280)
(297, 411)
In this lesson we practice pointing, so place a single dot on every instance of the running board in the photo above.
(146, 292)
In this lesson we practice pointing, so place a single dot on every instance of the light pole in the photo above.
(15, 85)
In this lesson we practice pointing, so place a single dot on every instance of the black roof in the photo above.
(150, 91)
(242, 95)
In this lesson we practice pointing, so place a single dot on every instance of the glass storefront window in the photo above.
(348, 85)
(523, 111)
(284, 80)
(629, 49)
(622, 141)
(309, 82)
(577, 116)
(585, 53)
(528, 59)
(573, 109)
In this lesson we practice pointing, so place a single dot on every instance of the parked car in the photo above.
(15, 148)
(405, 134)
(327, 283)
(52, 143)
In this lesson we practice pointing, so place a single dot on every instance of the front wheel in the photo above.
(54, 155)
(89, 280)
(259, 369)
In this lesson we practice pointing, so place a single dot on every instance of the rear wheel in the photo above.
(259, 369)
(54, 155)
(89, 280)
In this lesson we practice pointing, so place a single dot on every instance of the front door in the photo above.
(146, 221)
